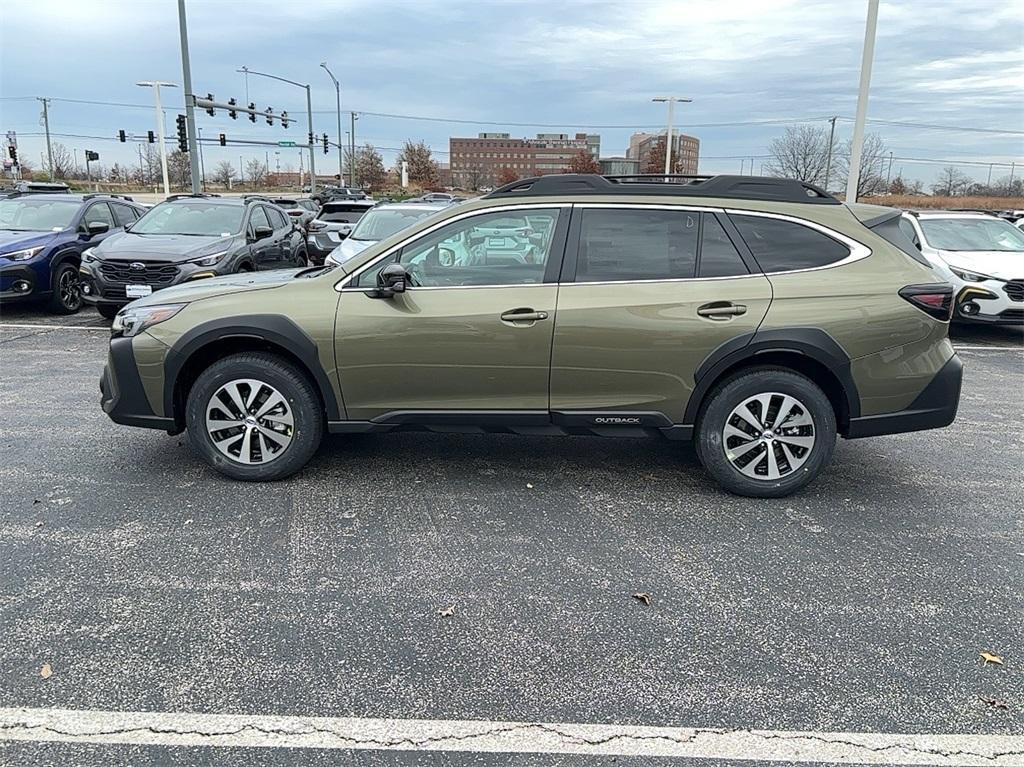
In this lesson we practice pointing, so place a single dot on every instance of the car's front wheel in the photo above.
(254, 416)
(766, 432)
(67, 289)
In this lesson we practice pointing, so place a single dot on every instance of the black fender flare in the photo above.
(61, 257)
(813, 343)
(272, 328)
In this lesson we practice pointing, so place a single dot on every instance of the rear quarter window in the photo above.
(784, 246)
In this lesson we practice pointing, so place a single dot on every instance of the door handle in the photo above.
(523, 315)
(721, 310)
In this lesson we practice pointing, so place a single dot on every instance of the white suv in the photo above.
(980, 255)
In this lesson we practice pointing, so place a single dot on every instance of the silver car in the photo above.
(383, 221)
(333, 224)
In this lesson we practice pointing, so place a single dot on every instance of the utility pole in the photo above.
(190, 107)
(831, 143)
(888, 173)
(352, 154)
(202, 164)
(142, 169)
(46, 126)
(989, 182)
(155, 85)
(668, 134)
(341, 152)
(1012, 168)
(867, 60)
(241, 175)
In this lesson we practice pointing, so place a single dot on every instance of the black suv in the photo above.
(188, 238)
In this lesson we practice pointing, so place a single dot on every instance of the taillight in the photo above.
(295, 213)
(934, 300)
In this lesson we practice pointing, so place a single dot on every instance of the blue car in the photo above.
(42, 237)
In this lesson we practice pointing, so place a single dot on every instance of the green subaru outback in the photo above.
(758, 317)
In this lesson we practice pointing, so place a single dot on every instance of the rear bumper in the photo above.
(121, 394)
(933, 408)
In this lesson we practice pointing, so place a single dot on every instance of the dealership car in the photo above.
(302, 210)
(980, 255)
(186, 239)
(757, 316)
(382, 221)
(329, 193)
(42, 236)
(333, 224)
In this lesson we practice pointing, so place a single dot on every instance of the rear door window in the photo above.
(98, 212)
(124, 214)
(622, 245)
(277, 219)
(784, 246)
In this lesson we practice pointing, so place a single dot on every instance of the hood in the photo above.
(11, 241)
(1006, 265)
(162, 247)
(196, 290)
(348, 249)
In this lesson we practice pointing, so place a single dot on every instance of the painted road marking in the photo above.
(241, 731)
(989, 348)
(52, 327)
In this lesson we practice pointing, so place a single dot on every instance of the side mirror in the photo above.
(262, 232)
(390, 280)
(98, 227)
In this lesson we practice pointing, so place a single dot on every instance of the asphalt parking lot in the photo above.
(148, 583)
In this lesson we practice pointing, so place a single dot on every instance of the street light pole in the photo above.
(309, 114)
(352, 153)
(155, 85)
(668, 134)
(46, 126)
(341, 152)
(867, 59)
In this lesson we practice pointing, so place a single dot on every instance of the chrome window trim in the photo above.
(340, 285)
(858, 250)
(747, 276)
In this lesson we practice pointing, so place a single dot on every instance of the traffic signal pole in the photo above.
(190, 111)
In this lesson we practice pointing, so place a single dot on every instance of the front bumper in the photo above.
(17, 281)
(98, 289)
(933, 408)
(989, 303)
(121, 394)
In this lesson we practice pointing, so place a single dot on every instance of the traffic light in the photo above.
(325, 143)
(231, 112)
(284, 118)
(121, 136)
(210, 110)
(12, 152)
(182, 133)
(270, 115)
(309, 139)
(151, 137)
(252, 111)
(223, 139)
(91, 156)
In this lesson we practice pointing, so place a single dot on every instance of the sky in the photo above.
(528, 66)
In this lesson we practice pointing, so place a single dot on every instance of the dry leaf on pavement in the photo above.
(447, 612)
(994, 702)
(45, 672)
(990, 658)
(643, 597)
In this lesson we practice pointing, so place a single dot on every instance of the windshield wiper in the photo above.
(314, 271)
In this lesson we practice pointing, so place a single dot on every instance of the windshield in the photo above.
(191, 218)
(37, 215)
(378, 224)
(972, 234)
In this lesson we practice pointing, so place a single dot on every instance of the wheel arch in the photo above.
(809, 351)
(200, 347)
(64, 256)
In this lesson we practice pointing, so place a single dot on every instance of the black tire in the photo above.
(107, 311)
(302, 400)
(67, 289)
(302, 257)
(712, 446)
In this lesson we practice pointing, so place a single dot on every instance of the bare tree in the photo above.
(224, 173)
(656, 159)
(873, 158)
(474, 176)
(178, 169)
(256, 172)
(63, 163)
(802, 152)
(423, 168)
(951, 182)
(370, 167)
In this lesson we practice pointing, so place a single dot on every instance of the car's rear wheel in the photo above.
(254, 416)
(67, 289)
(107, 311)
(766, 433)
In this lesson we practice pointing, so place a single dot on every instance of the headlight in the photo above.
(131, 321)
(24, 255)
(969, 276)
(89, 255)
(209, 260)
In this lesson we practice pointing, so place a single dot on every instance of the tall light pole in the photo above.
(668, 134)
(46, 124)
(341, 152)
(155, 85)
(352, 155)
(867, 59)
(309, 114)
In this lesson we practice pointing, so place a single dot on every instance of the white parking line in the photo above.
(988, 348)
(51, 327)
(239, 731)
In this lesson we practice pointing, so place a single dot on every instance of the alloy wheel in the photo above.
(249, 421)
(70, 290)
(768, 436)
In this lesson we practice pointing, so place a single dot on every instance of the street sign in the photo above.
(286, 143)
(12, 138)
